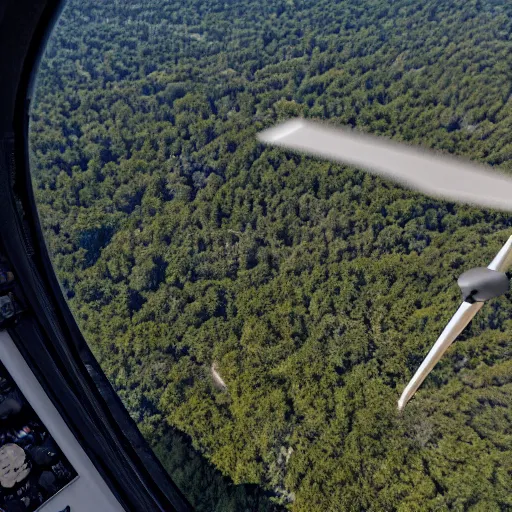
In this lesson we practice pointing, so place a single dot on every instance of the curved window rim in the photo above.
(48, 336)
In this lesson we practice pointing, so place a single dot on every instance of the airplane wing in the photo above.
(436, 175)
(459, 321)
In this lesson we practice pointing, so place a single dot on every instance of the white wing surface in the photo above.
(436, 175)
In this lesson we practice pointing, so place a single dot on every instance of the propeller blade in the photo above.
(503, 259)
(459, 321)
(441, 176)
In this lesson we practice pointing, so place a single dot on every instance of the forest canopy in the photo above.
(314, 290)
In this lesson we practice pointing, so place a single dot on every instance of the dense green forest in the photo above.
(315, 289)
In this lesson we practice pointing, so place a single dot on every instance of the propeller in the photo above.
(440, 176)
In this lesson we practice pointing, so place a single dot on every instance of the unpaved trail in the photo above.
(217, 378)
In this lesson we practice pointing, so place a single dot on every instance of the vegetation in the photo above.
(314, 289)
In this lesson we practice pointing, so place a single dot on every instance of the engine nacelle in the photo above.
(481, 284)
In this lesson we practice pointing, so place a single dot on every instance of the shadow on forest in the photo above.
(203, 485)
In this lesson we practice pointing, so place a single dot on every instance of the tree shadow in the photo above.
(203, 485)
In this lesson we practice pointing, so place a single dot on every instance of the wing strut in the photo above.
(457, 324)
